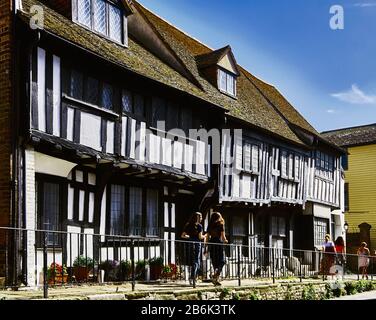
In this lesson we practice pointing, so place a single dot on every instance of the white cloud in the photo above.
(355, 96)
(365, 5)
(330, 111)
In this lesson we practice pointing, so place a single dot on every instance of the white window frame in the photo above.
(123, 20)
(228, 75)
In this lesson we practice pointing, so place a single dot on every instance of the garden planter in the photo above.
(81, 273)
(155, 272)
(58, 279)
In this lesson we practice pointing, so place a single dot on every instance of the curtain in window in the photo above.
(84, 12)
(135, 211)
(116, 25)
(100, 16)
(117, 222)
(152, 212)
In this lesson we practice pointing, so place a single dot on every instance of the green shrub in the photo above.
(309, 293)
(289, 295)
(350, 288)
(224, 293)
(328, 291)
(254, 295)
(82, 261)
(361, 286)
(236, 296)
(370, 286)
(156, 261)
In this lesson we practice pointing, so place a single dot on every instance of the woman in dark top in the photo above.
(193, 232)
(215, 236)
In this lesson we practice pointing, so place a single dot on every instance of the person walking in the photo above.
(363, 259)
(341, 255)
(193, 231)
(216, 237)
(328, 260)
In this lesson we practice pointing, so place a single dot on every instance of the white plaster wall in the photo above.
(31, 220)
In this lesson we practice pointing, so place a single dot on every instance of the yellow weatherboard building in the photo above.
(360, 175)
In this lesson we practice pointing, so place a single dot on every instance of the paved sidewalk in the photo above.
(121, 291)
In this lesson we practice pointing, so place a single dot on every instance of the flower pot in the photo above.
(155, 272)
(58, 279)
(81, 273)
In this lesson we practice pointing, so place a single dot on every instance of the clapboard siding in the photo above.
(281, 174)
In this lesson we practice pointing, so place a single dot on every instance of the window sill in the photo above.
(250, 172)
(90, 106)
(324, 178)
(228, 94)
(103, 36)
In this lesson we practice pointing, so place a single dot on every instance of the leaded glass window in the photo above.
(84, 12)
(107, 96)
(115, 24)
(152, 212)
(117, 210)
(126, 101)
(76, 87)
(100, 16)
(91, 90)
(135, 211)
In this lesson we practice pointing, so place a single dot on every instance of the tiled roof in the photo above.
(257, 103)
(353, 136)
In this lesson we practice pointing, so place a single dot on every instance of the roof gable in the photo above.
(222, 57)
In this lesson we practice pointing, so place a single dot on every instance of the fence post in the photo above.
(45, 282)
(273, 265)
(133, 266)
(239, 272)
(300, 266)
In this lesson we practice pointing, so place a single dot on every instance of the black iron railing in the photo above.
(57, 258)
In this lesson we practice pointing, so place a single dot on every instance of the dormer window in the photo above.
(221, 69)
(227, 82)
(103, 17)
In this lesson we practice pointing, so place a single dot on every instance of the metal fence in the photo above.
(54, 258)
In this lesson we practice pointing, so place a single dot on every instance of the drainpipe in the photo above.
(12, 262)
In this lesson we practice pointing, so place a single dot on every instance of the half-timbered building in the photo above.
(105, 95)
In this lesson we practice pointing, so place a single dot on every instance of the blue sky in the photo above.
(328, 75)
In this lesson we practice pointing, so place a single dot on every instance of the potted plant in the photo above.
(111, 268)
(169, 271)
(125, 270)
(140, 270)
(57, 274)
(156, 267)
(82, 267)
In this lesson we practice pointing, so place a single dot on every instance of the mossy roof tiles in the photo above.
(257, 103)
